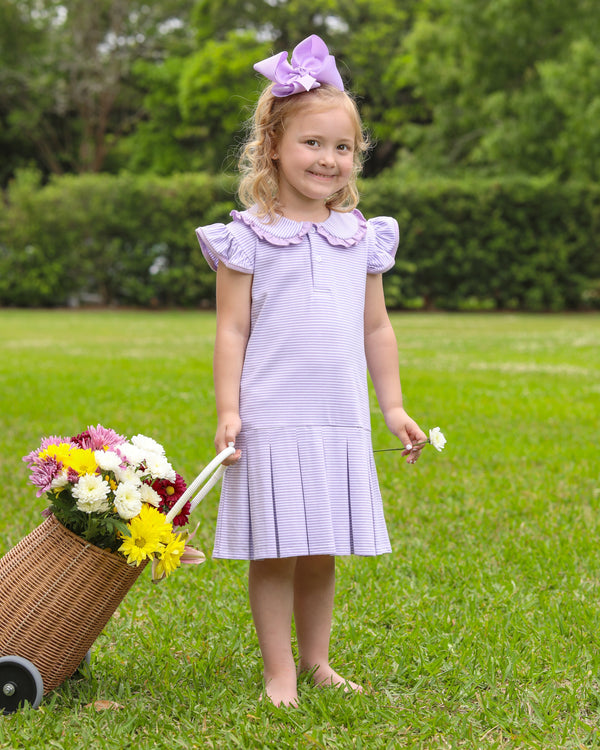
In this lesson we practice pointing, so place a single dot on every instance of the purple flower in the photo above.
(98, 438)
(31, 458)
(44, 473)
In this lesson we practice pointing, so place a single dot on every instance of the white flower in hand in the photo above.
(437, 439)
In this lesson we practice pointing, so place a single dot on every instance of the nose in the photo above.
(327, 158)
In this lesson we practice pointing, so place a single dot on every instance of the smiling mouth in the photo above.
(321, 176)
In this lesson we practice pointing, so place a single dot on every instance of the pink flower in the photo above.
(43, 474)
(98, 438)
(192, 556)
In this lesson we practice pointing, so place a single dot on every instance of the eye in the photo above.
(344, 147)
(312, 142)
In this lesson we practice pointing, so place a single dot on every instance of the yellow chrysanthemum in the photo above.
(170, 557)
(82, 461)
(147, 531)
(59, 452)
(167, 535)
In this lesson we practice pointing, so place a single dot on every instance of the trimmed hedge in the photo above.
(510, 243)
(497, 244)
(112, 240)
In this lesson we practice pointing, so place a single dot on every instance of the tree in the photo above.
(217, 90)
(493, 85)
(365, 37)
(71, 93)
(572, 84)
(21, 41)
(476, 67)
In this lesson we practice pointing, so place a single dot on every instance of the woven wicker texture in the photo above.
(57, 592)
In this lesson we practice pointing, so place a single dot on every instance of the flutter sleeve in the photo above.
(382, 237)
(233, 244)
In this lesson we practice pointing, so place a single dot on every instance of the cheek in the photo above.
(349, 166)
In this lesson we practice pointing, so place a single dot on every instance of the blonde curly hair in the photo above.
(259, 183)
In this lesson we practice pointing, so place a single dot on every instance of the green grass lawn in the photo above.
(481, 630)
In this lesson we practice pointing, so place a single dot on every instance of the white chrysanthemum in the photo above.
(128, 475)
(91, 493)
(60, 480)
(149, 495)
(159, 468)
(108, 460)
(436, 438)
(128, 500)
(147, 445)
(131, 453)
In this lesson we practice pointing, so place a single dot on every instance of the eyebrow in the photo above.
(317, 137)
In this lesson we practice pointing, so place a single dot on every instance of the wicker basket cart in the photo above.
(57, 593)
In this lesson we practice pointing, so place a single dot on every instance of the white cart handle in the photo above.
(217, 471)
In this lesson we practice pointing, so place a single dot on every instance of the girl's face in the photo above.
(316, 159)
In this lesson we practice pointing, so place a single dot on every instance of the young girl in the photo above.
(300, 317)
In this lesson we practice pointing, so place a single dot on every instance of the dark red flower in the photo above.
(170, 492)
(182, 517)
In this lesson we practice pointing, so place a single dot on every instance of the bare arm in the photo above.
(233, 329)
(381, 349)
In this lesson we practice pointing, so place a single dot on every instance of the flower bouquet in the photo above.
(116, 494)
(114, 505)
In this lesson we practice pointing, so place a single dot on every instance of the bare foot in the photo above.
(282, 691)
(325, 676)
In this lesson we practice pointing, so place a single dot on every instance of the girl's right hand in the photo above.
(228, 429)
(408, 432)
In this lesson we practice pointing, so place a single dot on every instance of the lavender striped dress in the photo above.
(306, 483)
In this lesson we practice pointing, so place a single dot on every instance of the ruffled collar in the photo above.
(340, 229)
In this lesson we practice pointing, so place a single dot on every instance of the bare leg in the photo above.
(271, 589)
(314, 590)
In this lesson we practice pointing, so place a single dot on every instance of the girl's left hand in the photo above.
(408, 432)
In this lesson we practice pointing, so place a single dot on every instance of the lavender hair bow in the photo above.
(311, 66)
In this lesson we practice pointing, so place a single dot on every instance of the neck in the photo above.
(311, 215)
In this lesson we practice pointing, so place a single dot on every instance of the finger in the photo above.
(406, 442)
(413, 456)
(418, 435)
(233, 459)
(231, 434)
(223, 442)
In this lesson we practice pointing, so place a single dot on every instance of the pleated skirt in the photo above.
(301, 491)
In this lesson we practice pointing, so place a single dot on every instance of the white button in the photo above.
(318, 258)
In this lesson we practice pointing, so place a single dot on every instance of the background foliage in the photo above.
(123, 84)
(460, 97)
(470, 243)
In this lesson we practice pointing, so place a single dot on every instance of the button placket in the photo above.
(319, 274)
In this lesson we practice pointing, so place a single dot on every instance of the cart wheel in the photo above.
(20, 683)
(84, 669)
